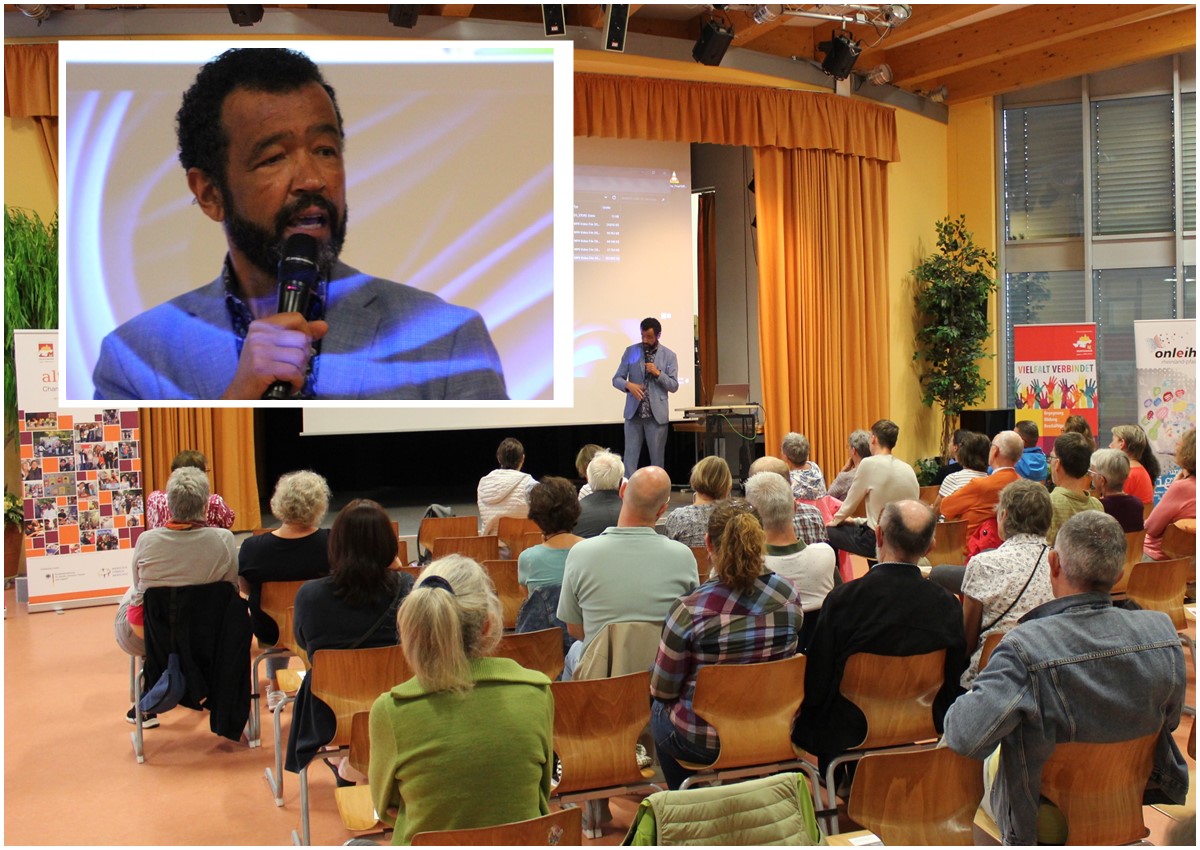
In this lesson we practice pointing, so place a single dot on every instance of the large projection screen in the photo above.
(633, 247)
(458, 165)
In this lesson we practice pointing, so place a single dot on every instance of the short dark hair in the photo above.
(1074, 454)
(554, 505)
(651, 322)
(362, 546)
(909, 543)
(973, 450)
(189, 457)
(201, 135)
(1028, 430)
(509, 453)
(886, 433)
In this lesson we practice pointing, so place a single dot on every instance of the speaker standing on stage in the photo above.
(648, 371)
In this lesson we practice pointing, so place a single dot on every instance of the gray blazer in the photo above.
(633, 368)
(385, 341)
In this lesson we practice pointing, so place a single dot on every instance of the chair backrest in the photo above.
(479, 548)
(349, 680)
(1179, 540)
(929, 494)
(510, 591)
(1134, 540)
(526, 541)
(950, 543)
(415, 572)
(1098, 788)
(563, 828)
(512, 531)
(700, 553)
(360, 741)
(896, 694)
(287, 636)
(596, 727)
(989, 644)
(927, 797)
(1160, 586)
(1147, 509)
(275, 598)
(401, 549)
(541, 650)
(753, 722)
(433, 527)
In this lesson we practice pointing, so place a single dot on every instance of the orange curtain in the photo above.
(822, 296)
(31, 90)
(226, 438)
(706, 272)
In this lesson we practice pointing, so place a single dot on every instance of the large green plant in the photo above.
(30, 290)
(953, 286)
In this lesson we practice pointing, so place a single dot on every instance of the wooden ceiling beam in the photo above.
(746, 32)
(1115, 48)
(453, 10)
(1021, 31)
(928, 19)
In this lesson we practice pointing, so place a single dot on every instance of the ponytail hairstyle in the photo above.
(450, 616)
(738, 543)
(1138, 448)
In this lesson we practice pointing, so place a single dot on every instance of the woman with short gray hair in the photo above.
(1109, 470)
(808, 481)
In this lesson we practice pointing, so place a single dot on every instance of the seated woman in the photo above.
(296, 551)
(183, 552)
(1079, 425)
(1143, 465)
(158, 512)
(745, 614)
(712, 482)
(1109, 470)
(973, 450)
(808, 482)
(466, 742)
(1179, 502)
(555, 508)
(1001, 585)
(353, 607)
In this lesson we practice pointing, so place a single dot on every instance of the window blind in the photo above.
(1187, 115)
(1132, 166)
(1043, 172)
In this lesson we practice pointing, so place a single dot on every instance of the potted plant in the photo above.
(14, 532)
(30, 290)
(953, 287)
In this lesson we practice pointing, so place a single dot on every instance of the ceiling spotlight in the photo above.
(404, 15)
(880, 75)
(245, 14)
(897, 13)
(939, 94)
(714, 40)
(765, 13)
(841, 52)
(38, 11)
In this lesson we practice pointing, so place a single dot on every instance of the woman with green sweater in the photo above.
(466, 742)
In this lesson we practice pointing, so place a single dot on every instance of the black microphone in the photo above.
(297, 276)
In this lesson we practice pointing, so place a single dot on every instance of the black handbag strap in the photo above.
(1036, 561)
(390, 610)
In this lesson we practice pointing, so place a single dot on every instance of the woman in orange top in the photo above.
(1143, 465)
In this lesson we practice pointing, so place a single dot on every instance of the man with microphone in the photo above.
(261, 141)
(648, 371)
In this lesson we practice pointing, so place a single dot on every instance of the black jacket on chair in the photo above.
(212, 636)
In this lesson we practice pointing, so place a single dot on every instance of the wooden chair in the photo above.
(989, 644)
(1147, 509)
(511, 592)
(949, 543)
(895, 694)
(275, 598)
(432, 528)
(927, 797)
(541, 650)
(929, 494)
(753, 722)
(596, 727)
(1179, 540)
(289, 682)
(415, 572)
(479, 548)
(527, 541)
(561, 828)
(512, 531)
(1161, 586)
(1134, 541)
(401, 549)
(348, 681)
(701, 555)
(354, 803)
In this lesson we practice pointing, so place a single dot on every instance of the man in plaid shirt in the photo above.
(809, 524)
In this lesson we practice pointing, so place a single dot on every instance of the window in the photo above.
(1043, 172)
(1132, 166)
(1187, 113)
(1042, 298)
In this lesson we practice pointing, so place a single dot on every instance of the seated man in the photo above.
(976, 500)
(627, 573)
(891, 611)
(1074, 669)
(1032, 464)
(1069, 465)
(504, 491)
(602, 507)
(806, 519)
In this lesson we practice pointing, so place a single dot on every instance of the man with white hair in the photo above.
(1074, 669)
(602, 507)
(976, 500)
(812, 569)
(806, 519)
(629, 573)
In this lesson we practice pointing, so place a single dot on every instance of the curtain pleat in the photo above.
(31, 90)
(706, 273)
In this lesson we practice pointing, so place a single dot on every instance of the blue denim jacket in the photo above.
(1074, 669)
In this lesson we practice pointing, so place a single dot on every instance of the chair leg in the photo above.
(255, 715)
(132, 674)
(138, 749)
(275, 779)
(302, 838)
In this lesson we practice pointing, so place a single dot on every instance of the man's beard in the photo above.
(264, 248)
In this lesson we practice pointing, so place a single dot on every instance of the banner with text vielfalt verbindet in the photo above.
(81, 482)
(1054, 377)
(1165, 354)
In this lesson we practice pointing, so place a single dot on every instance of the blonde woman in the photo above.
(466, 742)
(712, 482)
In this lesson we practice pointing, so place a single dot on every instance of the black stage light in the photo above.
(841, 52)
(245, 14)
(714, 40)
(404, 16)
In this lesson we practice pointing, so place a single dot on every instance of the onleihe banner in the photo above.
(1165, 354)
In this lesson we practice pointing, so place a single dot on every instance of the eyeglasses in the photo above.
(1053, 456)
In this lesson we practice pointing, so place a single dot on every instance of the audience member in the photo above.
(973, 451)
(1108, 470)
(1001, 585)
(353, 607)
(741, 616)
(504, 491)
(953, 465)
(554, 506)
(1143, 465)
(1069, 465)
(158, 511)
(606, 477)
(881, 479)
(296, 551)
(860, 449)
(182, 552)
(1179, 502)
(1074, 669)
(629, 572)
(890, 611)
(812, 569)
(582, 460)
(808, 482)
(807, 519)
(1076, 424)
(711, 481)
(976, 500)
(1032, 464)
(466, 742)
